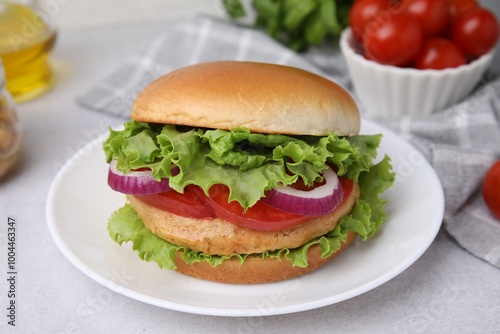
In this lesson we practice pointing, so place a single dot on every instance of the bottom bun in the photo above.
(256, 269)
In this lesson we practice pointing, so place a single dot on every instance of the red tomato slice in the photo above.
(191, 204)
(194, 204)
(261, 216)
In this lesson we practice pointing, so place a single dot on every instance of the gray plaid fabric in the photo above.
(460, 142)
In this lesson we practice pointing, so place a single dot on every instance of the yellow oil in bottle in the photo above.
(26, 42)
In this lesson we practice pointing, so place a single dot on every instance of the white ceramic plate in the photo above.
(80, 203)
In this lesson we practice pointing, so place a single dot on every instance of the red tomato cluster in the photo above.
(424, 34)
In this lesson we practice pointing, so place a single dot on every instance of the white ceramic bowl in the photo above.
(390, 91)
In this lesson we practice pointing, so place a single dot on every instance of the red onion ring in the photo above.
(135, 182)
(316, 202)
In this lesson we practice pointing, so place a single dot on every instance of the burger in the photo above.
(244, 172)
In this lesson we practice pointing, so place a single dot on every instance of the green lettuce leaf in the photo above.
(236, 158)
(368, 213)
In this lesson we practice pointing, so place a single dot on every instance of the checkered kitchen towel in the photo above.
(460, 142)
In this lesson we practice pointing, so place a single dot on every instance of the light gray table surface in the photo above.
(446, 291)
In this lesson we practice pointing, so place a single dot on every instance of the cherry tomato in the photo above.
(361, 13)
(458, 7)
(434, 15)
(396, 41)
(491, 189)
(192, 203)
(439, 53)
(475, 31)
